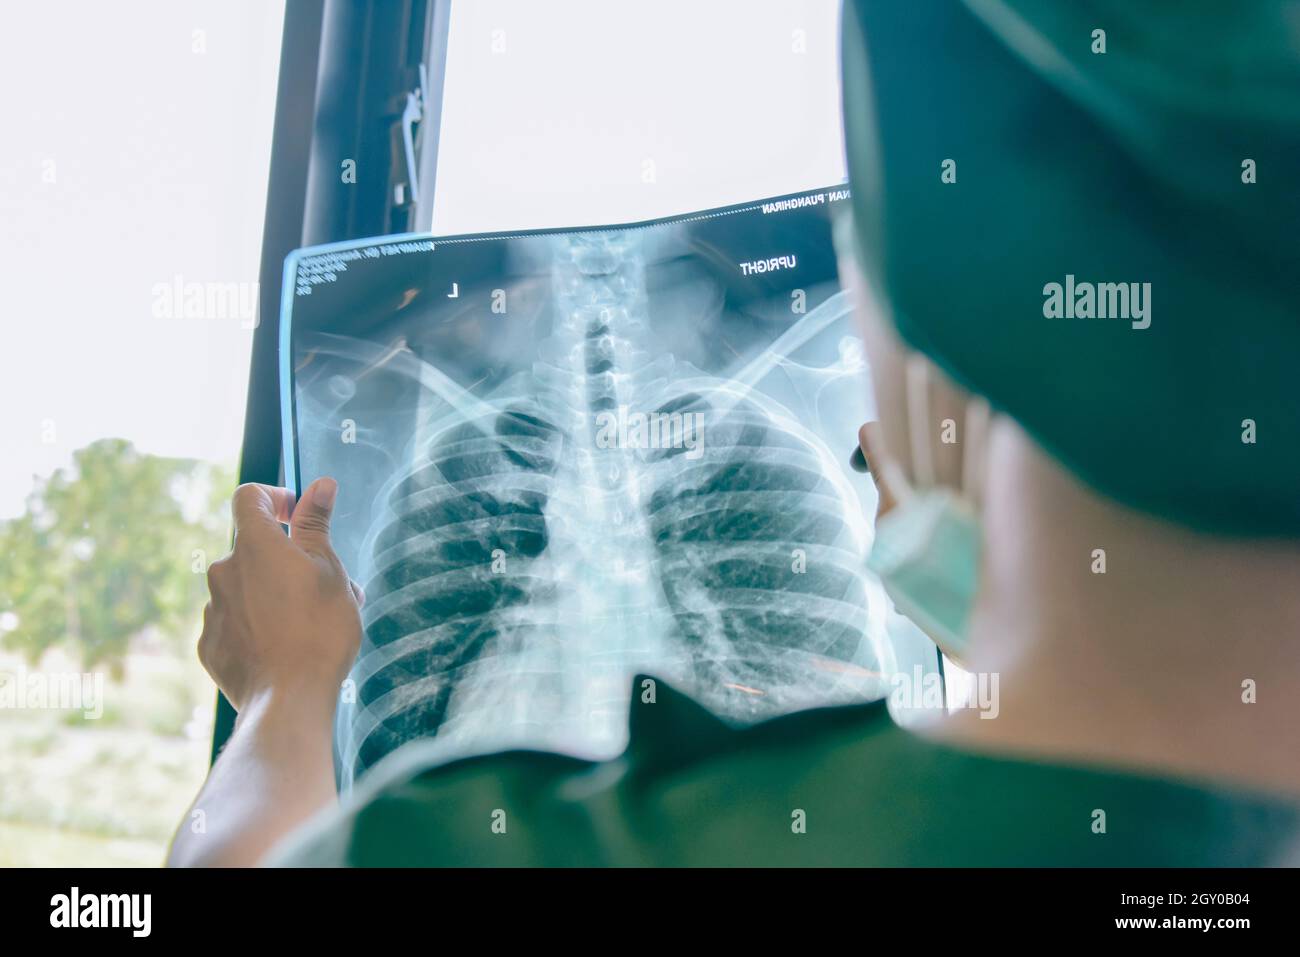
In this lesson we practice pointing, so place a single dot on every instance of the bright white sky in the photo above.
(553, 111)
(160, 165)
(159, 158)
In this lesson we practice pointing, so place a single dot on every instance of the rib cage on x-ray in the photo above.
(531, 551)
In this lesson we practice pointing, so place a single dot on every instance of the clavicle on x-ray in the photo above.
(569, 457)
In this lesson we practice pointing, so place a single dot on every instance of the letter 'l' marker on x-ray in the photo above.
(455, 292)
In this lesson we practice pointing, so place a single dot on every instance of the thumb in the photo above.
(309, 525)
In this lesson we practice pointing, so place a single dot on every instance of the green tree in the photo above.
(112, 547)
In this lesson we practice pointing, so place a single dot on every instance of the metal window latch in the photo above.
(412, 115)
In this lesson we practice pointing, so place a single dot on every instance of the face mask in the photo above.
(926, 553)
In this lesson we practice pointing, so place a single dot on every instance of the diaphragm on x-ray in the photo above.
(569, 457)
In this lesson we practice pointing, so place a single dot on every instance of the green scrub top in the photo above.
(840, 786)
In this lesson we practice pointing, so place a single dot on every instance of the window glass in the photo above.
(584, 112)
(132, 192)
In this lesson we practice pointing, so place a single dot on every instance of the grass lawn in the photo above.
(108, 791)
(37, 845)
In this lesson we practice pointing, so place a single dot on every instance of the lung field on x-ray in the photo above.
(596, 454)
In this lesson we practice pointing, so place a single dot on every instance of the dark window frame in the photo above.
(346, 70)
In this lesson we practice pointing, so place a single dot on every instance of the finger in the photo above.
(358, 593)
(309, 525)
(259, 509)
(203, 647)
(891, 483)
(889, 387)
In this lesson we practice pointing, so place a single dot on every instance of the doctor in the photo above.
(1121, 533)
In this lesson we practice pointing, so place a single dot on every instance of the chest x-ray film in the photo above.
(567, 457)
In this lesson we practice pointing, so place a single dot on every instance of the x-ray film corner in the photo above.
(566, 457)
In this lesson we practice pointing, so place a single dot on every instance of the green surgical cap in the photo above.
(1013, 183)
